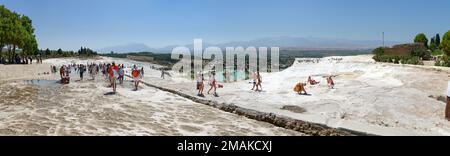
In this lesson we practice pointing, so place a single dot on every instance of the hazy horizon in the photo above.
(159, 23)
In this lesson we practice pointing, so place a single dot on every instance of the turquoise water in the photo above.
(43, 83)
(239, 74)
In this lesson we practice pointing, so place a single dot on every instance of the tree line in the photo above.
(18, 43)
(82, 52)
(17, 39)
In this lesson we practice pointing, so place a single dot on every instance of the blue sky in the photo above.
(69, 24)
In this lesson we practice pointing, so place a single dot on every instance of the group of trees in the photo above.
(17, 39)
(47, 53)
(445, 48)
(435, 46)
(445, 44)
(414, 57)
(86, 52)
(435, 43)
(18, 42)
(82, 52)
(421, 38)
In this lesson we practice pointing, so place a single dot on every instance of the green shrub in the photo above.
(445, 44)
(396, 59)
(379, 51)
(404, 59)
(437, 52)
(422, 53)
(376, 58)
(443, 61)
(427, 55)
(415, 60)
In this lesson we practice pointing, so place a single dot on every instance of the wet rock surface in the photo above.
(295, 109)
(280, 121)
(81, 108)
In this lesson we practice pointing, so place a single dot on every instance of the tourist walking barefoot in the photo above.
(82, 70)
(114, 74)
(330, 83)
(258, 82)
(136, 74)
(108, 73)
(254, 80)
(121, 74)
(200, 85)
(213, 84)
(67, 70)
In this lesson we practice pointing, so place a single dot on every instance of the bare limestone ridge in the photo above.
(277, 120)
(369, 98)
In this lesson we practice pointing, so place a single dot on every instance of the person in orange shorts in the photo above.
(136, 74)
(113, 75)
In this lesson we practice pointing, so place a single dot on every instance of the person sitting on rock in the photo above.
(300, 87)
(312, 81)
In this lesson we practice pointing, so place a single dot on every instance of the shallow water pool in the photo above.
(43, 83)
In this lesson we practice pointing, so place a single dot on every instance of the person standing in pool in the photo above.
(135, 73)
(447, 107)
(67, 71)
(62, 73)
(108, 73)
(97, 69)
(81, 70)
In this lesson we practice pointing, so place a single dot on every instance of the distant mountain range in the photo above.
(132, 47)
(285, 43)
